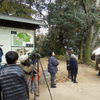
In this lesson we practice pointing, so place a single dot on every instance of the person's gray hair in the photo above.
(73, 56)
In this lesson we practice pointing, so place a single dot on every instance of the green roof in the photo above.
(19, 19)
(18, 22)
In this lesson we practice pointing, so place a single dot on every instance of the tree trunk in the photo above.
(81, 51)
(94, 40)
(50, 36)
(87, 49)
(54, 40)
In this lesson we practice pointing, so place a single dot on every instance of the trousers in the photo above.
(73, 77)
(52, 78)
(32, 85)
(36, 86)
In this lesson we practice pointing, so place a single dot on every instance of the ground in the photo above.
(88, 87)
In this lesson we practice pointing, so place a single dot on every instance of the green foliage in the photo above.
(45, 48)
(16, 9)
(72, 21)
(60, 57)
(42, 44)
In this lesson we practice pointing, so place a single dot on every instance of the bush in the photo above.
(60, 57)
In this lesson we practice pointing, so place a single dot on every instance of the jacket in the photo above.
(52, 65)
(13, 83)
(68, 55)
(27, 70)
(73, 66)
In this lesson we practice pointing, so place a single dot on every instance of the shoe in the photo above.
(75, 82)
(53, 86)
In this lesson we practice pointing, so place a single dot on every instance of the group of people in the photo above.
(32, 72)
(14, 79)
(72, 65)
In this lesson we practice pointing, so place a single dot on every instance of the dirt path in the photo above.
(88, 87)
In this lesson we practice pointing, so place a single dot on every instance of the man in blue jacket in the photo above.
(74, 68)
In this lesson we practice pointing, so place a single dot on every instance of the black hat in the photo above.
(50, 53)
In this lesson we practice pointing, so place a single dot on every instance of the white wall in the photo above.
(6, 40)
(97, 3)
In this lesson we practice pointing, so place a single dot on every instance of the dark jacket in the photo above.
(13, 83)
(73, 66)
(52, 65)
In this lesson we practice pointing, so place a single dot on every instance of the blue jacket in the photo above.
(52, 65)
(1, 53)
(73, 66)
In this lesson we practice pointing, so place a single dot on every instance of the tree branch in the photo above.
(84, 6)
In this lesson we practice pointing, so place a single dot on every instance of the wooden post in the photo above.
(34, 38)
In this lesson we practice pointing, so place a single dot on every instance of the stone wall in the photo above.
(42, 79)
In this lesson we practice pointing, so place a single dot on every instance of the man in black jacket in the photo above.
(13, 83)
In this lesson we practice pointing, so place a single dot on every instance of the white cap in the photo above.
(73, 56)
(22, 58)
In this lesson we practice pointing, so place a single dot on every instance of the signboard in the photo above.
(22, 39)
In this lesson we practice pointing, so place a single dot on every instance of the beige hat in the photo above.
(73, 56)
(22, 58)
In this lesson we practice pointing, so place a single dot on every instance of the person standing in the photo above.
(68, 55)
(13, 84)
(1, 54)
(52, 68)
(74, 68)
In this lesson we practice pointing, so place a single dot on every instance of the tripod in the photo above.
(37, 71)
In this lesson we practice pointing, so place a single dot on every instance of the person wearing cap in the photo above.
(28, 69)
(23, 64)
(68, 55)
(52, 68)
(13, 82)
(74, 68)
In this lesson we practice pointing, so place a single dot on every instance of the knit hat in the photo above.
(50, 53)
(22, 58)
(73, 56)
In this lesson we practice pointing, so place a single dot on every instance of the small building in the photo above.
(17, 34)
(96, 52)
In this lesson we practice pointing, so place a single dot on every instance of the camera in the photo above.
(32, 56)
